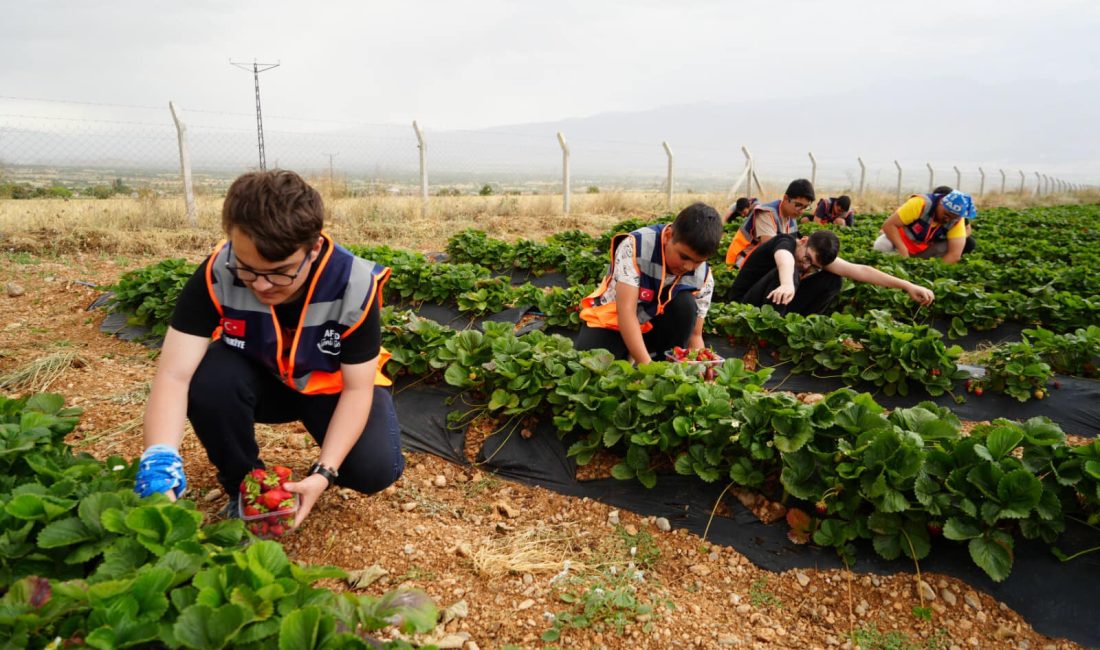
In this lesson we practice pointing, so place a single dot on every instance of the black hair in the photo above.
(826, 244)
(740, 206)
(943, 189)
(844, 201)
(699, 227)
(800, 189)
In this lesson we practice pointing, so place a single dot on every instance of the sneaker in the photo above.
(232, 509)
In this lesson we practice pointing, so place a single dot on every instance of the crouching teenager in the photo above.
(658, 289)
(279, 324)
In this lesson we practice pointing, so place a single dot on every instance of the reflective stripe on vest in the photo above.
(337, 301)
(746, 241)
(597, 311)
(922, 232)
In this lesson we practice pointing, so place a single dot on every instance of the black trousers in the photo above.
(813, 294)
(229, 393)
(670, 329)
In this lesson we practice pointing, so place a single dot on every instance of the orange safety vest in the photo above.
(598, 311)
(336, 304)
(920, 234)
(745, 240)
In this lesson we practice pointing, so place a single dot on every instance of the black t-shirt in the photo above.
(195, 314)
(759, 264)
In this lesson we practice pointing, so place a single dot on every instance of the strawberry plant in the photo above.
(474, 246)
(85, 561)
(148, 295)
(1018, 370)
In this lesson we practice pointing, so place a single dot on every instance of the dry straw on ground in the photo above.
(531, 550)
(41, 373)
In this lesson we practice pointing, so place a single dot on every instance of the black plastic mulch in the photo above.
(1056, 598)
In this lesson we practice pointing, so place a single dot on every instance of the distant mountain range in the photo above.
(1031, 126)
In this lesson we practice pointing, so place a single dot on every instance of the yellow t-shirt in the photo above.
(910, 212)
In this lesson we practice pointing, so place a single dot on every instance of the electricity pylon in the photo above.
(257, 68)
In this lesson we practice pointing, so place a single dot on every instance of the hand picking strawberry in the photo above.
(266, 506)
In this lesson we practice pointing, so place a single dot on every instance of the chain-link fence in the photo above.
(80, 147)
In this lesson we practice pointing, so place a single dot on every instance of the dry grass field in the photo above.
(152, 225)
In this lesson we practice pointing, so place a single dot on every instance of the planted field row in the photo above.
(872, 347)
(894, 479)
(85, 561)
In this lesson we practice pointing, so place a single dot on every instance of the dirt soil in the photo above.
(494, 552)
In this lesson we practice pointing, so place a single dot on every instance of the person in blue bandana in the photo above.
(930, 225)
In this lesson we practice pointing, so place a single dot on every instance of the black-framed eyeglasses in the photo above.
(277, 279)
(800, 206)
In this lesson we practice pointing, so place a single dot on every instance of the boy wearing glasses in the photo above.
(930, 225)
(804, 276)
(766, 220)
(279, 324)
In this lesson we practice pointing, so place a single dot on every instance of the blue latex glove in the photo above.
(160, 470)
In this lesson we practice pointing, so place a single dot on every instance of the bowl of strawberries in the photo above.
(267, 507)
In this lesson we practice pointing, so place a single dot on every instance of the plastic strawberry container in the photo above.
(273, 524)
(671, 357)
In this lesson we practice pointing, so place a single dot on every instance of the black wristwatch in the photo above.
(329, 473)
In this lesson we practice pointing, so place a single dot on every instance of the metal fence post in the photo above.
(185, 167)
(423, 146)
(668, 152)
(981, 188)
(899, 181)
(931, 177)
(813, 170)
(750, 165)
(1002, 180)
(1022, 179)
(862, 175)
(1038, 184)
(564, 173)
(958, 177)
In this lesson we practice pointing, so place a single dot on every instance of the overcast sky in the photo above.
(489, 62)
(967, 82)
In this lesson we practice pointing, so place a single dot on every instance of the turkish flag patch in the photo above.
(645, 295)
(233, 327)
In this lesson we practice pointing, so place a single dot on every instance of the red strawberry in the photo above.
(978, 390)
(254, 528)
(252, 511)
(821, 507)
(273, 499)
(762, 343)
(277, 530)
(258, 474)
(935, 372)
(935, 528)
(282, 472)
